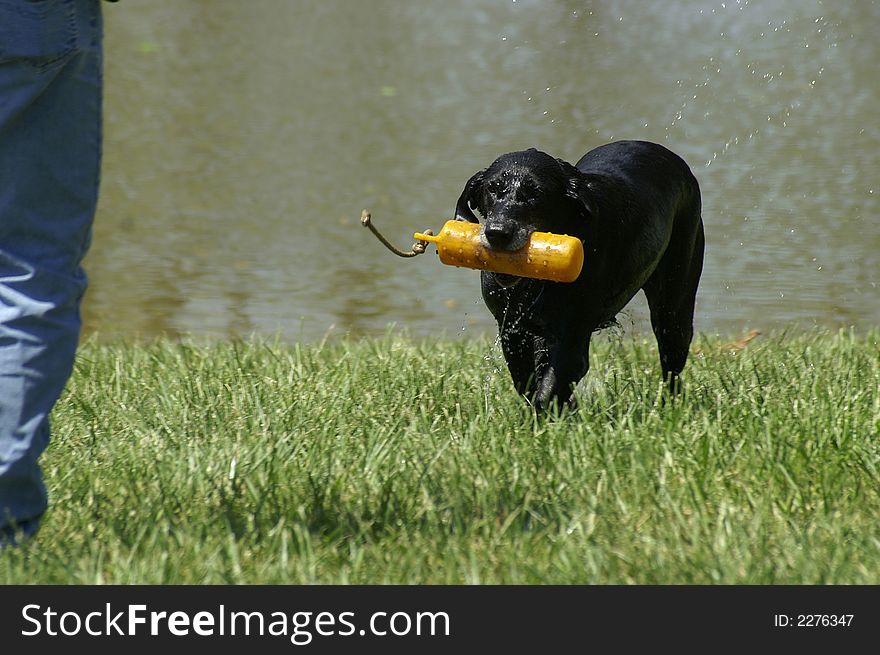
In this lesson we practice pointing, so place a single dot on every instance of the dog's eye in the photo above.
(527, 189)
(496, 187)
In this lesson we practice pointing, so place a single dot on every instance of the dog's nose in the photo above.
(499, 235)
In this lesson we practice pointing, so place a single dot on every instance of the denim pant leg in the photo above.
(50, 147)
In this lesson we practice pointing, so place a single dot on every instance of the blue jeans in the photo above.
(50, 152)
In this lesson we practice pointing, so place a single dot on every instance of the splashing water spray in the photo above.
(546, 256)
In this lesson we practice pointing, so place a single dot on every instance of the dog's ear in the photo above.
(469, 196)
(577, 188)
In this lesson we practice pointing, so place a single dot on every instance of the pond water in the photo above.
(243, 139)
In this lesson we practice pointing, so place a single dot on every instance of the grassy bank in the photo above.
(390, 460)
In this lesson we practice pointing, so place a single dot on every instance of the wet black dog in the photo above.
(636, 207)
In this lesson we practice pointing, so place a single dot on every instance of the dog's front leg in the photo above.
(519, 353)
(560, 363)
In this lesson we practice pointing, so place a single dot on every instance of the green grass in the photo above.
(398, 461)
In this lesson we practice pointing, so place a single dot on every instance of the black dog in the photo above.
(636, 207)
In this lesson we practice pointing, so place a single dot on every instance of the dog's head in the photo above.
(524, 192)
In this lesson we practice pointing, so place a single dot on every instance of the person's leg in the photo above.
(50, 148)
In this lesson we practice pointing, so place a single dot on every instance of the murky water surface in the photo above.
(244, 138)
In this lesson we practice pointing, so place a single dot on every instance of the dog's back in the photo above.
(640, 177)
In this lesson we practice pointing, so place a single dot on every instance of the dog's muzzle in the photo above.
(508, 236)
